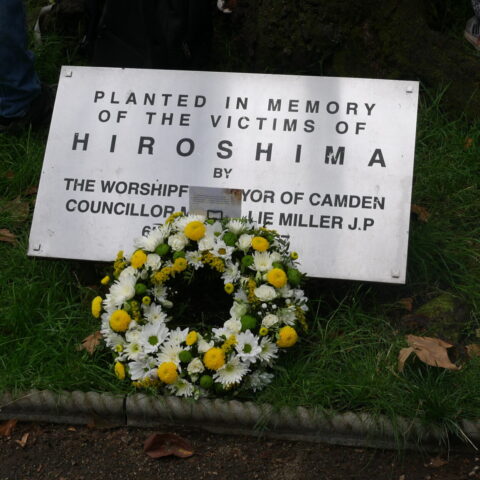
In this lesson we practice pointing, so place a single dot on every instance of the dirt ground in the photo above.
(62, 452)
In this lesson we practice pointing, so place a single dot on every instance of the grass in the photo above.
(348, 360)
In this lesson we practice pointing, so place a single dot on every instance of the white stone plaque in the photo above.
(326, 161)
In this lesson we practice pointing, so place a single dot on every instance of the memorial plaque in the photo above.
(325, 161)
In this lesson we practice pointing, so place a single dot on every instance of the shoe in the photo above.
(472, 32)
(38, 114)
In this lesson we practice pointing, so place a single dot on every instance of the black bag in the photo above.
(171, 34)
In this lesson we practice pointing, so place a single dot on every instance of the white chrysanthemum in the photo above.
(238, 309)
(182, 222)
(262, 262)
(182, 388)
(204, 346)
(265, 293)
(151, 241)
(258, 380)
(287, 315)
(178, 335)
(247, 347)
(160, 292)
(134, 350)
(142, 368)
(120, 292)
(152, 336)
(195, 366)
(299, 296)
(221, 249)
(231, 273)
(231, 373)
(269, 320)
(113, 339)
(153, 261)
(285, 292)
(128, 273)
(169, 353)
(244, 242)
(207, 242)
(233, 326)
(154, 314)
(214, 229)
(177, 241)
(195, 259)
(238, 226)
(269, 351)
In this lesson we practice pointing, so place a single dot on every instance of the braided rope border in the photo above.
(229, 417)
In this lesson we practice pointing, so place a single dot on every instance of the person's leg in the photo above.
(19, 85)
(472, 29)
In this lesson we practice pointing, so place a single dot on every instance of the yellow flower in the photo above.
(294, 255)
(146, 300)
(97, 306)
(167, 372)
(277, 277)
(120, 370)
(195, 230)
(120, 320)
(192, 338)
(105, 280)
(287, 337)
(138, 259)
(180, 264)
(263, 331)
(173, 216)
(214, 358)
(260, 244)
(229, 288)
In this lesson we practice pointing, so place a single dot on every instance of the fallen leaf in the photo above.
(406, 303)
(473, 350)
(402, 357)
(6, 428)
(30, 191)
(17, 209)
(163, 444)
(9, 175)
(422, 213)
(91, 342)
(437, 462)
(431, 351)
(468, 143)
(71, 429)
(23, 441)
(7, 236)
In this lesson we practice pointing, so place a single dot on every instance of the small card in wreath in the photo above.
(157, 343)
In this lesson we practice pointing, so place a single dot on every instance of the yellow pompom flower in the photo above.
(167, 372)
(287, 337)
(229, 288)
(146, 300)
(195, 230)
(138, 259)
(214, 358)
(120, 370)
(120, 320)
(263, 331)
(105, 280)
(294, 255)
(277, 277)
(260, 244)
(192, 338)
(97, 306)
(180, 264)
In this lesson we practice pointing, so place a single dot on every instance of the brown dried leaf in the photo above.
(436, 462)
(7, 236)
(71, 429)
(468, 143)
(164, 444)
(23, 441)
(473, 350)
(406, 303)
(91, 342)
(30, 191)
(18, 209)
(6, 428)
(431, 351)
(402, 357)
(9, 175)
(422, 213)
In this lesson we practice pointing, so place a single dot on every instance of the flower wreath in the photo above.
(255, 267)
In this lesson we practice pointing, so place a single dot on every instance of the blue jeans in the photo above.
(19, 84)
